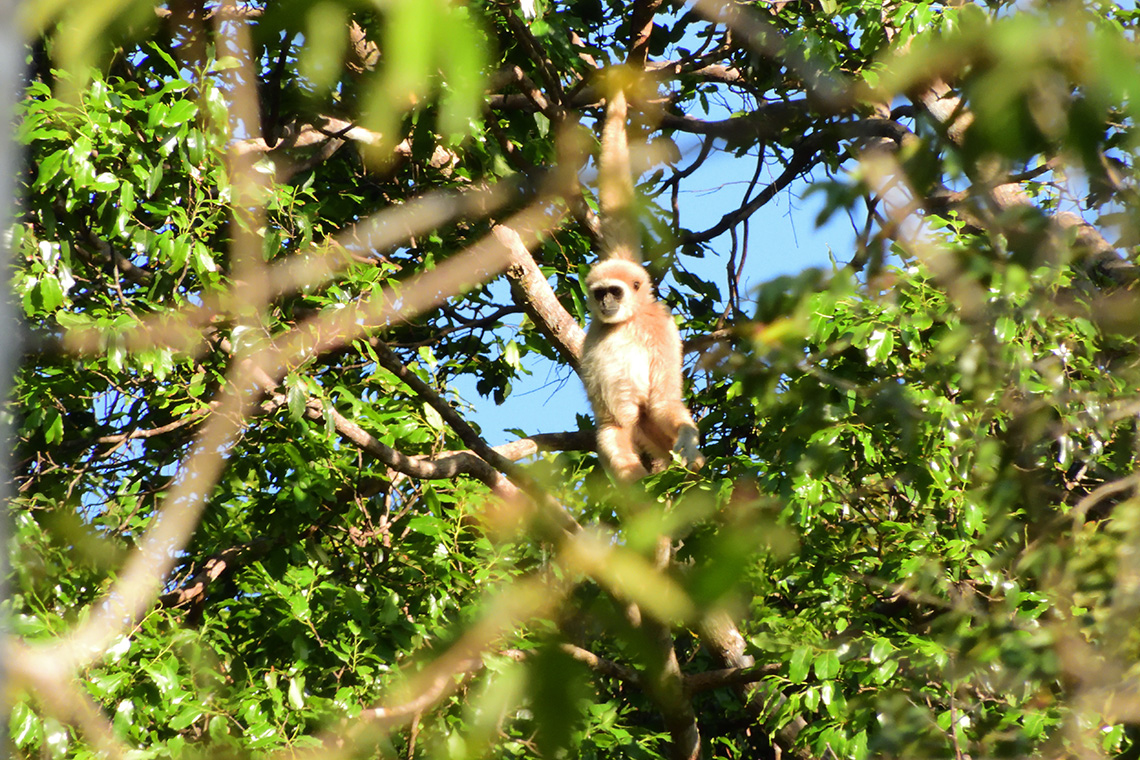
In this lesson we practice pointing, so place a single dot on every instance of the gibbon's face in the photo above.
(616, 288)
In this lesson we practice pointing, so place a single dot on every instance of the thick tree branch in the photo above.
(193, 592)
(642, 23)
(710, 73)
(537, 298)
(666, 684)
(329, 133)
(767, 122)
(719, 679)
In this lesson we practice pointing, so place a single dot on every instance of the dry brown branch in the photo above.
(642, 23)
(602, 666)
(532, 291)
(887, 179)
(426, 290)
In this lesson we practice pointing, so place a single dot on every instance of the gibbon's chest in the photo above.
(620, 362)
(617, 360)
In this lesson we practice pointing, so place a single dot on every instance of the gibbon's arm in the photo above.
(620, 239)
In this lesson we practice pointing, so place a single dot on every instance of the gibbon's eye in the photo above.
(637, 284)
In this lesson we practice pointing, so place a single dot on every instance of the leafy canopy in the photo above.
(260, 247)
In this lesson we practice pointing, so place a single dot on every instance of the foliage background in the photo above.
(259, 244)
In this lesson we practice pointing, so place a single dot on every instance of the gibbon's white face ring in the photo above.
(611, 300)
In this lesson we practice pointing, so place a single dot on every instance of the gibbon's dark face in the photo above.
(609, 298)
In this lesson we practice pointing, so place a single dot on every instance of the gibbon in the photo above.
(631, 367)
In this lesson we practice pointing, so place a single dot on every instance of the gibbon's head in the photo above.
(616, 289)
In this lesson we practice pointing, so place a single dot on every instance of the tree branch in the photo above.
(460, 426)
(642, 23)
(666, 684)
(537, 298)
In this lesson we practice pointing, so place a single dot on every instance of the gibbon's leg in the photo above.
(650, 438)
(615, 445)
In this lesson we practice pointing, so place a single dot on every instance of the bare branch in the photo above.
(194, 590)
(804, 156)
(642, 23)
(466, 433)
(192, 418)
(534, 50)
(538, 300)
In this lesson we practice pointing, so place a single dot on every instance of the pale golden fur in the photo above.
(631, 367)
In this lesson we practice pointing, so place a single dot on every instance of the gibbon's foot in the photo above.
(687, 447)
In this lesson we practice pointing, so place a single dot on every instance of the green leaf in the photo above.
(105, 686)
(881, 649)
(880, 345)
(827, 665)
(799, 664)
(296, 692)
(433, 418)
(24, 727)
(180, 112)
(187, 716)
(104, 182)
(296, 396)
(203, 261)
(50, 293)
